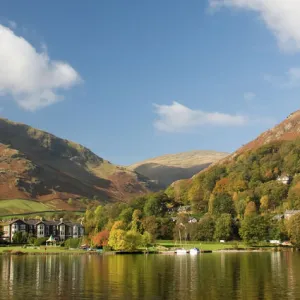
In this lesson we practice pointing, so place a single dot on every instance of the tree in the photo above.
(133, 240)
(1, 232)
(147, 239)
(293, 228)
(264, 203)
(223, 229)
(101, 238)
(126, 215)
(150, 225)
(117, 239)
(250, 209)
(254, 229)
(221, 204)
(136, 222)
(205, 229)
(72, 243)
(156, 205)
(20, 237)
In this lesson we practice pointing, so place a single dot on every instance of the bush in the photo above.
(40, 241)
(72, 243)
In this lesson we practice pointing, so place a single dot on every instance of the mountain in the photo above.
(264, 172)
(38, 165)
(171, 167)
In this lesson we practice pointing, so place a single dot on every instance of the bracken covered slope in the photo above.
(171, 167)
(38, 165)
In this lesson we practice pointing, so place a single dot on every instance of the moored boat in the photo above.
(181, 251)
(194, 251)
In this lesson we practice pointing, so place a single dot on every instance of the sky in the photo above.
(135, 79)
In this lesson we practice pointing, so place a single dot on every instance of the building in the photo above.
(192, 220)
(289, 213)
(60, 230)
(285, 179)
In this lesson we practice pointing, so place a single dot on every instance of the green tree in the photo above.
(136, 222)
(133, 240)
(223, 229)
(147, 239)
(221, 204)
(254, 229)
(20, 237)
(150, 225)
(156, 205)
(205, 229)
(72, 243)
(293, 228)
(126, 215)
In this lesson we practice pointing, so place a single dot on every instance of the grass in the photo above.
(201, 245)
(19, 206)
(40, 250)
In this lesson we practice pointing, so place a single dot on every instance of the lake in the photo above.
(264, 275)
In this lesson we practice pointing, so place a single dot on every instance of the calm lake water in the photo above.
(207, 276)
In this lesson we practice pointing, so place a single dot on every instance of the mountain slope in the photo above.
(263, 174)
(38, 165)
(171, 167)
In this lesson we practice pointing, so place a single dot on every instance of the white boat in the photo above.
(181, 251)
(194, 251)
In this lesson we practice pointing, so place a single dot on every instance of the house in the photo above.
(192, 220)
(184, 209)
(60, 230)
(285, 179)
(289, 213)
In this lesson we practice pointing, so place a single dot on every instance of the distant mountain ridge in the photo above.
(38, 165)
(171, 167)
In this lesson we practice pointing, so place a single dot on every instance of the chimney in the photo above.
(61, 220)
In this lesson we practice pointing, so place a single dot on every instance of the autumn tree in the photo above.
(117, 236)
(101, 238)
(250, 209)
(264, 203)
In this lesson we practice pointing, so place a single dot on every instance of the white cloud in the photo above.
(289, 81)
(177, 118)
(31, 78)
(282, 17)
(249, 96)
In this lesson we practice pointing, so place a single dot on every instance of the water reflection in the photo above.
(207, 276)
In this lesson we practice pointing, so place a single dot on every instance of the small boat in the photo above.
(194, 251)
(181, 251)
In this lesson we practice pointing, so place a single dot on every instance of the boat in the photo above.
(181, 251)
(194, 251)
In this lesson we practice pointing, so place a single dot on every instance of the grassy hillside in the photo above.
(171, 167)
(19, 206)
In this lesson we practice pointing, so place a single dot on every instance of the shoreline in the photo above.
(21, 252)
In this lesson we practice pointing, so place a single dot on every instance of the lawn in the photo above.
(201, 245)
(19, 206)
(59, 250)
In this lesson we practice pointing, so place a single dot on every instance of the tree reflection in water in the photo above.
(207, 276)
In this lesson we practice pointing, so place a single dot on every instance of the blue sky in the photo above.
(137, 79)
